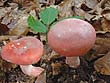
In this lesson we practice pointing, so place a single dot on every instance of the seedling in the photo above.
(47, 19)
(47, 16)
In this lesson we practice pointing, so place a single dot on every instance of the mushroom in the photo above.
(71, 38)
(24, 52)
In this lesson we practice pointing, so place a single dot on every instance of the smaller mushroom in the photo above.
(24, 52)
(71, 38)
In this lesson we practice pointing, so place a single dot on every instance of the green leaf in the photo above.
(36, 25)
(78, 17)
(48, 15)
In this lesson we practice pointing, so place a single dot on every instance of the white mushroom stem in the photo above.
(73, 61)
(31, 70)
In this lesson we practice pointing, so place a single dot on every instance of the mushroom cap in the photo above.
(24, 51)
(71, 37)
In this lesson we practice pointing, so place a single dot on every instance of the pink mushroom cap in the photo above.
(71, 37)
(24, 51)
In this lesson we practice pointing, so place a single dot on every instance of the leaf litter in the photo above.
(94, 65)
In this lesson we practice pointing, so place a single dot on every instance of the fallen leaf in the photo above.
(105, 25)
(77, 8)
(2, 2)
(49, 54)
(21, 27)
(101, 47)
(91, 3)
(4, 11)
(27, 4)
(3, 29)
(106, 13)
(102, 65)
(41, 78)
(97, 25)
(65, 8)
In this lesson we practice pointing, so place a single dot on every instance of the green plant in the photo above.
(36, 25)
(47, 16)
(47, 19)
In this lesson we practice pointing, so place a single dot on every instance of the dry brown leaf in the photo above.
(5, 38)
(78, 3)
(80, 12)
(11, 15)
(102, 65)
(3, 29)
(21, 27)
(2, 2)
(107, 16)
(49, 54)
(97, 25)
(4, 11)
(82, 7)
(7, 19)
(77, 8)
(101, 47)
(28, 5)
(88, 16)
(91, 3)
(103, 41)
(65, 8)
(107, 4)
(98, 8)
(16, 19)
(50, 2)
(42, 1)
(106, 13)
(105, 25)
(41, 78)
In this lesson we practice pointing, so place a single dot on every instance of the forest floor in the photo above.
(95, 65)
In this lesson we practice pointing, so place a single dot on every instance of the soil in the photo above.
(85, 73)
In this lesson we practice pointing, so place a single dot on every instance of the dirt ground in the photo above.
(94, 65)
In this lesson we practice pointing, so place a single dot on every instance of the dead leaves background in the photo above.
(13, 22)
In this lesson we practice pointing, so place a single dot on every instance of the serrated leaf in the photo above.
(48, 15)
(36, 25)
